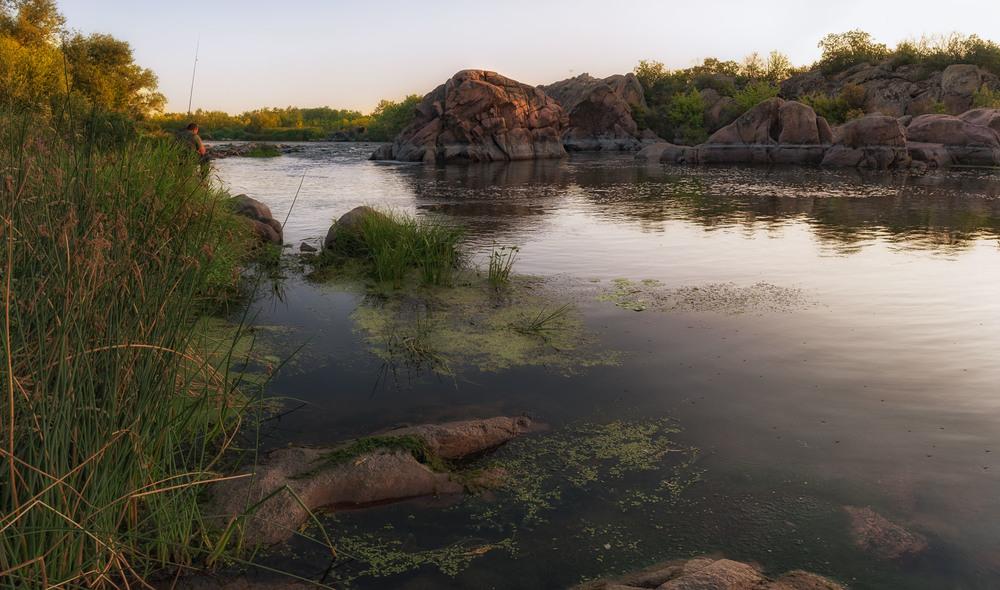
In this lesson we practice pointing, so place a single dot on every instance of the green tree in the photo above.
(102, 70)
(389, 118)
(32, 23)
(649, 72)
(844, 50)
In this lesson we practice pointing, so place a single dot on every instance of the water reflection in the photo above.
(844, 208)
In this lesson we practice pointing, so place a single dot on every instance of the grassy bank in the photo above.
(111, 419)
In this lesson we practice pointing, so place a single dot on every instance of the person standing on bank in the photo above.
(190, 136)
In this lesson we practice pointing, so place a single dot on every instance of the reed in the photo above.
(501, 263)
(113, 419)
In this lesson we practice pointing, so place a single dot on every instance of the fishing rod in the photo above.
(193, 71)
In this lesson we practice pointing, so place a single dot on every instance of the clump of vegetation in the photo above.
(114, 417)
(984, 97)
(394, 244)
(501, 262)
(842, 51)
(264, 150)
(849, 104)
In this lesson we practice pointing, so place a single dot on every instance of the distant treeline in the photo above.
(298, 124)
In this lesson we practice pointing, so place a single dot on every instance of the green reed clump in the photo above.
(111, 418)
(264, 150)
(501, 262)
(394, 244)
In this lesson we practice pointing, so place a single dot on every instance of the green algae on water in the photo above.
(474, 325)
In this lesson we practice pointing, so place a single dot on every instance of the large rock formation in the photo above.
(787, 132)
(289, 483)
(600, 111)
(774, 131)
(971, 138)
(480, 116)
(897, 91)
(875, 142)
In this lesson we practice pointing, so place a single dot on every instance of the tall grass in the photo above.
(501, 262)
(110, 418)
(396, 244)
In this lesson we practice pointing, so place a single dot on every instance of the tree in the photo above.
(101, 68)
(32, 23)
(844, 50)
(389, 118)
(31, 68)
(649, 72)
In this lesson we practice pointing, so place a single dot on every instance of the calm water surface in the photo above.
(842, 349)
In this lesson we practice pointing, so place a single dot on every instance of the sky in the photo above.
(350, 54)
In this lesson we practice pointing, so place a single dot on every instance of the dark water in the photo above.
(822, 338)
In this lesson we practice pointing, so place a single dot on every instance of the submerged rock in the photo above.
(707, 573)
(289, 483)
(480, 116)
(600, 112)
(877, 535)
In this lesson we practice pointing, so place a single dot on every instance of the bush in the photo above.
(753, 94)
(984, 97)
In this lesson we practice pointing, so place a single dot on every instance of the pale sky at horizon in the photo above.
(350, 55)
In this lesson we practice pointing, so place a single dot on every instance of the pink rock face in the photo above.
(481, 116)
(966, 130)
(600, 112)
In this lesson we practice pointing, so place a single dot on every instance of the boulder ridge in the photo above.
(480, 116)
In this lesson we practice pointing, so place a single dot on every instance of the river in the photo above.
(807, 339)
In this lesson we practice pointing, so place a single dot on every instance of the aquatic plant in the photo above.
(501, 262)
(114, 418)
(395, 243)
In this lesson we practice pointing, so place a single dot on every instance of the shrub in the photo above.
(984, 97)
(753, 94)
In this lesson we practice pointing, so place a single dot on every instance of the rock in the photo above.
(708, 573)
(911, 89)
(347, 221)
(480, 116)
(600, 111)
(874, 141)
(966, 141)
(983, 117)
(934, 155)
(774, 131)
(304, 247)
(875, 534)
(379, 476)
(268, 229)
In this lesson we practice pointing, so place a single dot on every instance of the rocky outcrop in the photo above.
(600, 111)
(897, 91)
(706, 573)
(971, 138)
(480, 116)
(290, 483)
(268, 228)
(874, 142)
(774, 131)
(788, 132)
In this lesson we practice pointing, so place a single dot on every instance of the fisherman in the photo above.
(190, 137)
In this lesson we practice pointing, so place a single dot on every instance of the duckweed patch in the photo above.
(599, 461)
(471, 325)
(723, 298)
